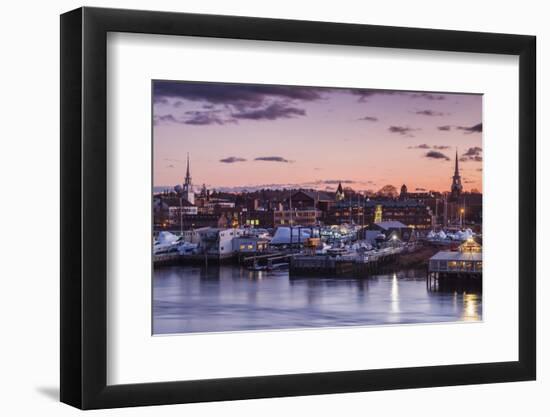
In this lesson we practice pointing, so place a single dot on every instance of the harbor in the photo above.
(313, 233)
(278, 234)
(317, 252)
(229, 297)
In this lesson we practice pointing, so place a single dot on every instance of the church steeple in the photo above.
(188, 175)
(187, 189)
(456, 185)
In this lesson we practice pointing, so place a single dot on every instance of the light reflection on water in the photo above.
(229, 298)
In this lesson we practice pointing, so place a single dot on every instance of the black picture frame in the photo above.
(84, 207)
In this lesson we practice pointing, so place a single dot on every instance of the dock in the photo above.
(174, 258)
(267, 261)
(347, 264)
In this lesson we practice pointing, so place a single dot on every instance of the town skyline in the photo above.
(384, 137)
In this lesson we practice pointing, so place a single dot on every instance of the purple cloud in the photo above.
(471, 129)
(209, 117)
(429, 113)
(441, 147)
(472, 154)
(232, 94)
(436, 155)
(421, 146)
(365, 93)
(428, 96)
(273, 159)
(402, 130)
(167, 118)
(335, 182)
(272, 112)
(445, 128)
(369, 118)
(160, 100)
(232, 159)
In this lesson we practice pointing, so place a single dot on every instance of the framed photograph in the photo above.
(258, 208)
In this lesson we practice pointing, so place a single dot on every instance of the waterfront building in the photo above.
(250, 244)
(217, 242)
(467, 260)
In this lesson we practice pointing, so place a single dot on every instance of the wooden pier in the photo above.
(356, 264)
(267, 259)
(174, 258)
(454, 281)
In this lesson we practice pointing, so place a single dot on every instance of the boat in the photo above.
(165, 242)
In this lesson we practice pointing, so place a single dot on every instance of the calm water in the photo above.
(230, 298)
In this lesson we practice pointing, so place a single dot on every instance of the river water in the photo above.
(189, 299)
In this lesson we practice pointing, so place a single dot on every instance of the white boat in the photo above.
(187, 248)
(165, 242)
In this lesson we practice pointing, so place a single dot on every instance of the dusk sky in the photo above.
(256, 136)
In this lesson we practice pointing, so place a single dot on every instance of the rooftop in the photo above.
(315, 195)
(456, 256)
(392, 224)
(383, 203)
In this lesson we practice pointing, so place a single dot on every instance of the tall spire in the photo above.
(187, 189)
(456, 163)
(456, 185)
(188, 174)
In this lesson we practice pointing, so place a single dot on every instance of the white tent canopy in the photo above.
(282, 235)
